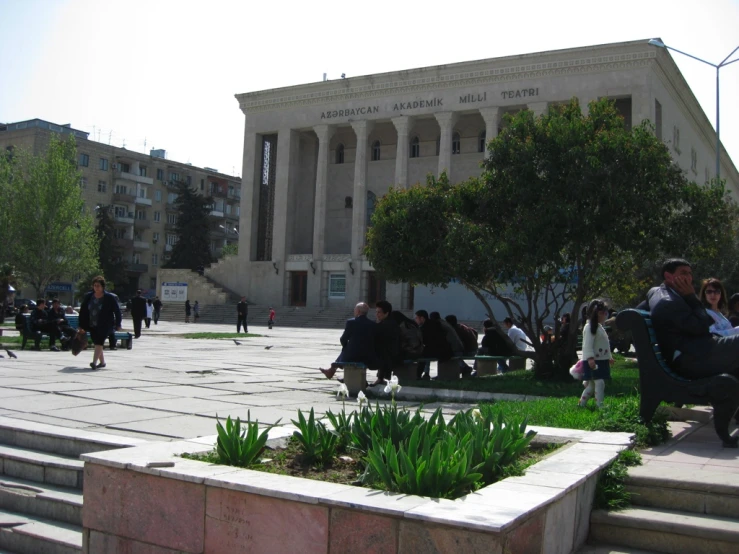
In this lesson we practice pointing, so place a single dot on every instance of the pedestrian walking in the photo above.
(100, 315)
(188, 309)
(149, 312)
(596, 354)
(271, 317)
(196, 311)
(157, 309)
(138, 312)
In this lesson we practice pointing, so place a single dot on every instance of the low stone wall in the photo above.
(132, 506)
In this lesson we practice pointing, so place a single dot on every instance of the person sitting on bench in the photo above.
(682, 327)
(41, 322)
(357, 341)
(493, 344)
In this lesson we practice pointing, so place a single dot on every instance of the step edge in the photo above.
(43, 523)
(699, 526)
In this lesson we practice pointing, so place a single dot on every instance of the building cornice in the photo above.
(496, 70)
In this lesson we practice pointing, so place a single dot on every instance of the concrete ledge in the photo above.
(546, 510)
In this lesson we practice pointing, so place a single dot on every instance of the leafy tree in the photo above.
(110, 255)
(193, 229)
(51, 236)
(568, 208)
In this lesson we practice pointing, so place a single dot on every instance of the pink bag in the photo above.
(578, 370)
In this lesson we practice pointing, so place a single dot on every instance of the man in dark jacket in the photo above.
(157, 304)
(40, 321)
(468, 337)
(357, 341)
(138, 312)
(493, 344)
(242, 310)
(387, 341)
(682, 324)
(57, 317)
(434, 340)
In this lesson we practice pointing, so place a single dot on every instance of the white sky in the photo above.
(166, 71)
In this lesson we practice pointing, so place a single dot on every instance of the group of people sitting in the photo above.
(51, 321)
(394, 338)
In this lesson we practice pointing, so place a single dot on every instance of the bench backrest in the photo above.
(73, 320)
(648, 352)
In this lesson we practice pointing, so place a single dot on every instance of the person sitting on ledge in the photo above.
(358, 341)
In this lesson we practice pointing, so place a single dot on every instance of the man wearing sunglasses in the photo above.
(682, 325)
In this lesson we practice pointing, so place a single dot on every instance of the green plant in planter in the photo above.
(342, 425)
(496, 443)
(318, 443)
(431, 463)
(237, 446)
(610, 491)
(385, 421)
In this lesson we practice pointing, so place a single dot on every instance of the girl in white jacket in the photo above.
(596, 354)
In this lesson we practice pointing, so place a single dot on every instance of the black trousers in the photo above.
(241, 320)
(137, 326)
(723, 358)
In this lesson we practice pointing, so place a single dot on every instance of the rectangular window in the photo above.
(174, 176)
(202, 184)
(155, 259)
(171, 197)
(337, 285)
(160, 174)
(120, 211)
(171, 239)
(102, 186)
(155, 237)
(172, 218)
(85, 160)
(121, 189)
(124, 167)
(188, 179)
(140, 214)
(103, 165)
(142, 193)
(142, 170)
(119, 233)
(658, 119)
(157, 218)
(158, 195)
(693, 160)
(136, 258)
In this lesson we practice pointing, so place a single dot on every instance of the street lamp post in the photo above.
(659, 44)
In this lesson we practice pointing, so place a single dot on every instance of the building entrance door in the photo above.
(375, 289)
(298, 288)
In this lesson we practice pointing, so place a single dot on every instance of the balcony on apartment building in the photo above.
(137, 268)
(124, 219)
(124, 197)
(143, 201)
(170, 226)
(217, 213)
(142, 224)
(126, 244)
(125, 175)
(140, 245)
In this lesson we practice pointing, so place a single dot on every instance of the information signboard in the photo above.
(174, 292)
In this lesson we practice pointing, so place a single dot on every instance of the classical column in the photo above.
(324, 133)
(362, 129)
(539, 108)
(249, 212)
(285, 159)
(402, 126)
(491, 118)
(446, 122)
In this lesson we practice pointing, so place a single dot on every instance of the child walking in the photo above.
(596, 353)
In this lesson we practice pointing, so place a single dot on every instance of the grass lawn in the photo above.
(12, 340)
(218, 335)
(624, 382)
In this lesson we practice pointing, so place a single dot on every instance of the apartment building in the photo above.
(142, 190)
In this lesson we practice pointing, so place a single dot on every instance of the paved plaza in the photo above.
(169, 387)
(172, 387)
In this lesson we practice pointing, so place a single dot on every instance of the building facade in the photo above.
(318, 156)
(141, 189)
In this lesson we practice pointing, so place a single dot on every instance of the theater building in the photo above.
(318, 156)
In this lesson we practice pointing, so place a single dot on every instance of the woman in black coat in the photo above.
(100, 315)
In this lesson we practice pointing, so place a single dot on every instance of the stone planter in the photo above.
(131, 505)
(406, 373)
(355, 379)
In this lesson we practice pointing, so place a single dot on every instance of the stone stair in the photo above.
(41, 480)
(674, 511)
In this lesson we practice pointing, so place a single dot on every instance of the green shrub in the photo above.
(342, 425)
(385, 421)
(610, 492)
(237, 446)
(318, 443)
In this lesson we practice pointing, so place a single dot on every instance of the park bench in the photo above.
(658, 383)
(125, 338)
(448, 370)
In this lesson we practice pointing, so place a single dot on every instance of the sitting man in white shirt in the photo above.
(519, 338)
